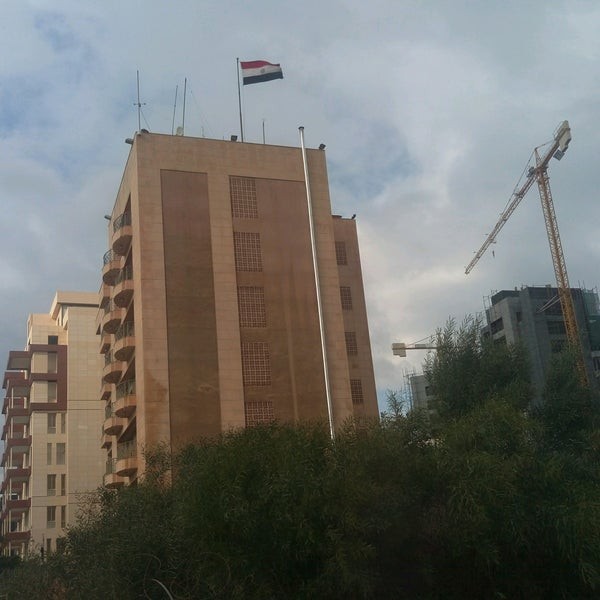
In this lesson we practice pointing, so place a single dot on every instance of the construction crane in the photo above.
(400, 348)
(539, 173)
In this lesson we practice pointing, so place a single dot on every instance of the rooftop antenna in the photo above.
(174, 109)
(138, 103)
(184, 93)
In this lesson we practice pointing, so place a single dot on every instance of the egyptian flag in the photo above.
(257, 71)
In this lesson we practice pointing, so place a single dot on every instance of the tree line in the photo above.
(486, 495)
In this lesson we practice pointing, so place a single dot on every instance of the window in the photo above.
(63, 422)
(52, 391)
(51, 485)
(351, 346)
(356, 391)
(256, 364)
(60, 453)
(340, 253)
(52, 340)
(51, 422)
(48, 454)
(63, 516)
(246, 248)
(258, 412)
(52, 362)
(251, 303)
(63, 485)
(50, 517)
(243, 198)
(346, 298)
(48, 545)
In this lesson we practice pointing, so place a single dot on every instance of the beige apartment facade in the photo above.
(53, 420)
(208, 314)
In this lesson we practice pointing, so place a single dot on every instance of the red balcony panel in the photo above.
(17, 536)
(18, 504)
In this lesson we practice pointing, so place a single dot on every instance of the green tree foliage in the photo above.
(487, 499)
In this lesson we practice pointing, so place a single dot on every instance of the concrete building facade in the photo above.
(533, 316)
(53, 418)
(208, 317)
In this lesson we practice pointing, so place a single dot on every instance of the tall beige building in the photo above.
(208, 317)
(53, 418)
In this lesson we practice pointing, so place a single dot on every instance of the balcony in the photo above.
(17, 536)
(105, 341)
(111, 479)
(124, 341)
(113, 425)
(106, 391)
(110, 267)
(113, 315)
(104, 294)
(113, 369)
(105, 440)
(17, 474)
(18, 503)
(17, 410)
(126, 399)
(122, 233)
(126, 463)
(123, 291)
(18, 443)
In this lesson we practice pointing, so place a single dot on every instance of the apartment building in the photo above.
(208, 315)
(53, 419)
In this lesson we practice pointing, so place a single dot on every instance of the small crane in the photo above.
(539, 173)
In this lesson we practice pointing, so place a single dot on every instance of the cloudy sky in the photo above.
(429, 109)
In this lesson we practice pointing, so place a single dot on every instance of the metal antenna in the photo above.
(174, 109)
(184, 94)
(138, 103)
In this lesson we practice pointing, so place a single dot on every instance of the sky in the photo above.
(429, 111)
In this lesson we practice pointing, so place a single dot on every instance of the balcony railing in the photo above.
(127, 388)
(109, 257)
(125, 274)
(127, 450)
(125, 330)
(121, 221)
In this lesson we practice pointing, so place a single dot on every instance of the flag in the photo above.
(257, 71)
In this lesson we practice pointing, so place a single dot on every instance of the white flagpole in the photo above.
(313, 244)
(240, 99)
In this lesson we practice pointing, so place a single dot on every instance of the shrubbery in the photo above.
(482, 498)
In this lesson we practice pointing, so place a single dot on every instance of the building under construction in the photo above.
(533, 316)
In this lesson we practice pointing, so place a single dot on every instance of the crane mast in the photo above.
(539, 173)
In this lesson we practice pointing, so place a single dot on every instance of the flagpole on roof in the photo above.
(240, 99)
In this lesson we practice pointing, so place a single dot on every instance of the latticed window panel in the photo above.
(340, 253)
(243, 198)
(356, 391)
(256, 364)
(346, 297)
(251, 304)
(351, 345)
(247, 251)
(258, 412)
